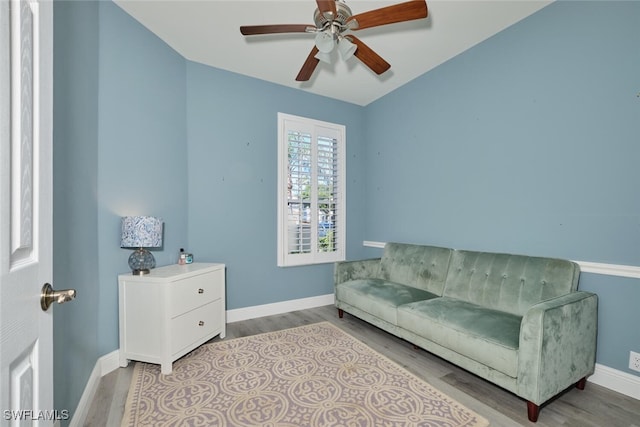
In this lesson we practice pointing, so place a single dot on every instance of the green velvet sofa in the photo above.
(517, 321)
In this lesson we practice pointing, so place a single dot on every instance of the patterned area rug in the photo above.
(314, 375)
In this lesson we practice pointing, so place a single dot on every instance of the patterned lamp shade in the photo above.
(141, 232)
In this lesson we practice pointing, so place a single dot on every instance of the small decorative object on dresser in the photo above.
(169, 312)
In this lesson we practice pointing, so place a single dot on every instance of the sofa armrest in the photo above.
(352, 270)
(557, 345)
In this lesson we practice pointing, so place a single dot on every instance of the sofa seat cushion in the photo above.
(488, 336)
(379, 297)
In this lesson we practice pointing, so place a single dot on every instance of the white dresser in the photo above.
(169, 312)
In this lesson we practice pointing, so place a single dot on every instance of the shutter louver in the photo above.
(327, 193)
(298, 193)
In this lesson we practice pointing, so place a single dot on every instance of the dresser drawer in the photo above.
(191, 327)
(191, 293)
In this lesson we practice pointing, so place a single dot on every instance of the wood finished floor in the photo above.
(596, 406)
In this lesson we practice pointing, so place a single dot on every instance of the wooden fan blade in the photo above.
(253, 30)
(309, 66)
(371, 59)
(407, 11)
(325, 6)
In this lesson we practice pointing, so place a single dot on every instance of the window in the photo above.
(311, 191)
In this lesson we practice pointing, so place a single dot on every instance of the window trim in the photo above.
(315, 257)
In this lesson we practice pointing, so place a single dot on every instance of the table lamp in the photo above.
(141, 232)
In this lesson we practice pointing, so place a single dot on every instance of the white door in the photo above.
(26, 68)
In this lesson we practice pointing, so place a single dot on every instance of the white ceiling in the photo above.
(207, 31)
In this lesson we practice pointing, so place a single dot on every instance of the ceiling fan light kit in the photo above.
(323, 56)
(346, 48)
(324, 42)
(333, 18)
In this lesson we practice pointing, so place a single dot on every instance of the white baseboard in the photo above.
(615, 380)
(104, 365)
(109, 362)
(246, 313)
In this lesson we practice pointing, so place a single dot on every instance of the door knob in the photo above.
(48, 296)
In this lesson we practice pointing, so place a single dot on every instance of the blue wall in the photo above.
(142, 149)
(232, 128)
(119, 149)
(75, 197)
(527, 143)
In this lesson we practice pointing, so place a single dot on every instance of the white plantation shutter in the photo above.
(298, 197)
(311, 191)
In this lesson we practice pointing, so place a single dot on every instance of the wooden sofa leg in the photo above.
(533, 411)
(340, 313)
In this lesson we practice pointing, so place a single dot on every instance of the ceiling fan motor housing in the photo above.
(343, 13)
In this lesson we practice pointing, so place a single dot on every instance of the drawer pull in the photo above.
(201, 323)
(201, 291)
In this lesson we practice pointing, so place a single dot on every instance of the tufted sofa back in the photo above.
(510, 283)
(423, 267)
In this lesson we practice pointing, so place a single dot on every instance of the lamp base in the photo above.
(141, 261)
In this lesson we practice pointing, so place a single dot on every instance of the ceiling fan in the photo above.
(333, 18)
